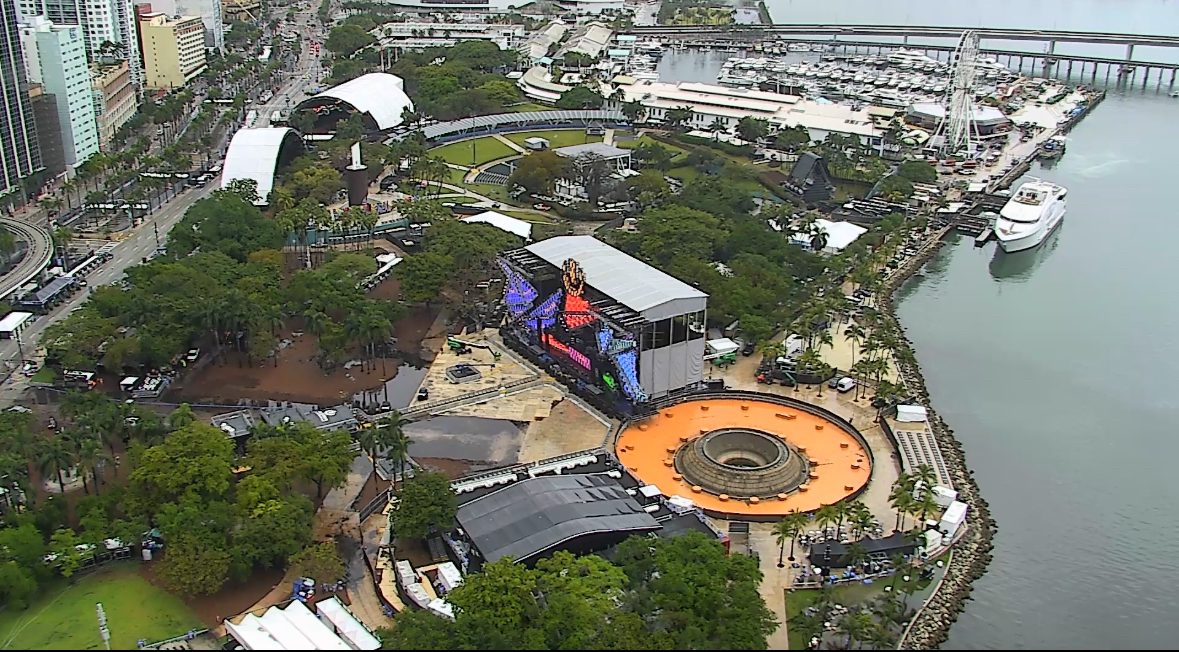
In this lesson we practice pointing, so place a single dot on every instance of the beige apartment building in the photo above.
(114, 99)
(173, 49)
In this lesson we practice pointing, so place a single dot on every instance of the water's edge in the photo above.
(972, 553)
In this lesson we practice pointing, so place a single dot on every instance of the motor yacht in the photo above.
(1033, 212)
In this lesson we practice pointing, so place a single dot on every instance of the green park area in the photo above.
(473, 152)
(64, 616)
(556, 137)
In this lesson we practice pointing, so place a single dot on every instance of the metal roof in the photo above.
(532, 516)
(600, 149)
(523, 118)
(378, 94)
(253, 154)
(628, 280)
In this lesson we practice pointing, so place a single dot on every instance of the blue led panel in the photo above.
(545, 313)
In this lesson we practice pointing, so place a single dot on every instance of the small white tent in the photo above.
(911, 413)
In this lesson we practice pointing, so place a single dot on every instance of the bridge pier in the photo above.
(1173, 70)
(1069, 74)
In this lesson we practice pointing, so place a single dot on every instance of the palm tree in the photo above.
(905, 504)
(718, 126)
(855, 335)
(395, 441)
(367, 438)
(90, 457)
(826, 515)
(789, 528)
(856, 555)
(926, 477)
(55, 457)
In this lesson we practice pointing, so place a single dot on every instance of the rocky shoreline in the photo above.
(972, 553)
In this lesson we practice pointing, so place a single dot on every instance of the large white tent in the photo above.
(504, 223)
(291, 628)
(333, 613)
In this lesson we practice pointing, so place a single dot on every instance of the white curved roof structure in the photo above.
(254, 153)
(378, 94)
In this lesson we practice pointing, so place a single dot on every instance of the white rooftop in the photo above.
(291, 628)
(839, 234)
(601, 149)
(629, 281)
(333, 612)
(13, 320)
(503, 223)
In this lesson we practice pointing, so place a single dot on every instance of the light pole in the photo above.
(103, 631)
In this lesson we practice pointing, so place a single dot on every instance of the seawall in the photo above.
(972, 554)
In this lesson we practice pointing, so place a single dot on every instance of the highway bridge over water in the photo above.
(1043, 44)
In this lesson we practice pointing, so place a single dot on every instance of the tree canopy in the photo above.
(680, 593)
(426, 502)
(580, 97)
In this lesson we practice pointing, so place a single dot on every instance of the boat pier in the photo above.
(1043, 60)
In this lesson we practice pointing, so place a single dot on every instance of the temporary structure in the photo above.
(911, 413)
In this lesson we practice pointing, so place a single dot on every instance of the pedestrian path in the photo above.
(516, 148)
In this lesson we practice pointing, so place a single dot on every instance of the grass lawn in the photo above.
(557, 137)
(535, 218)
(44, 375)
(486, 149)
(528, 106)
(457, 176)
(63, 617)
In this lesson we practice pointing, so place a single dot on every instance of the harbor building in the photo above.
(536, 48)
(20, 156)
(710, 102)
(102, 21)
(173, 49)
(419, 35)
(55, 57)
(115, 100)
(987, 120)
(590, 41)
(810, 180)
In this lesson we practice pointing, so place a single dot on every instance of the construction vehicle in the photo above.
(462, 348)
(724, 360)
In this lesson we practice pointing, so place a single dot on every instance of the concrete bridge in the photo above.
(1126, 68)
(910, 31)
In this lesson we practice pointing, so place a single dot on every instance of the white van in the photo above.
(845, 384)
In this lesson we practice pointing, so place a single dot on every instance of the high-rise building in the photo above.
(103, 21)
(115, 101)
(210, 11)
(173, 49)
(56, 58)
(49, 140)
(20, 156)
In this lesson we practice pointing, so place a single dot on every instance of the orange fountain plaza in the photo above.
(839, 465)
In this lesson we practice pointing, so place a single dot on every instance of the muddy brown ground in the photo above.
(232, 599)
(297, 376)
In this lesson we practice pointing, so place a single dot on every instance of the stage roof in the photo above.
(497, 120)
(531, 516)
(629, 281)
(378, 94)
(254, 154)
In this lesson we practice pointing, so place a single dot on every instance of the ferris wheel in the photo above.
(957, 128)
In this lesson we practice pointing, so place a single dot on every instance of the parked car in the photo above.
(193, 354)
(748, 349)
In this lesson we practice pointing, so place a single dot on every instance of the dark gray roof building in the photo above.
(333, 418)
(579, 513)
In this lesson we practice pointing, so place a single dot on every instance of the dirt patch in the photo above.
(233, 598)
(297, 376)
(372, 488)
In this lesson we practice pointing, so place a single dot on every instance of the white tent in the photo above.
(503, 223)
(911, 413)
(336, 615)
(839, 235)
(944, 496)
(441, 607)
(723, 346)
(449, 575)
(953, 518)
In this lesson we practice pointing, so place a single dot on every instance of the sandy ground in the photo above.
(567, 429)
(843, 353)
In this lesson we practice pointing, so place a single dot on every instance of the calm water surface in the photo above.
(1057, 368)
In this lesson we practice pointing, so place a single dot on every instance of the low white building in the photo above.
(537, 46)
(839, 235)
(709, 102)
(952, 519)
(591, 41)
(504, 223)
(418, 35)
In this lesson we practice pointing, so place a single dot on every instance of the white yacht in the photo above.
(1035, 210)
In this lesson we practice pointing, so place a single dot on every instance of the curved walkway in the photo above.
(36, 258)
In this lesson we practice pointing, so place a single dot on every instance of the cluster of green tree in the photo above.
(709, 221)
(217, 526)
(580, 98)
(899, 185)
(682, 593)
(468, 82)
(231, 290)
(457, 255)
(348, 39)
(242, 35)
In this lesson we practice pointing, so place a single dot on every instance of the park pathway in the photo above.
(515, 148)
